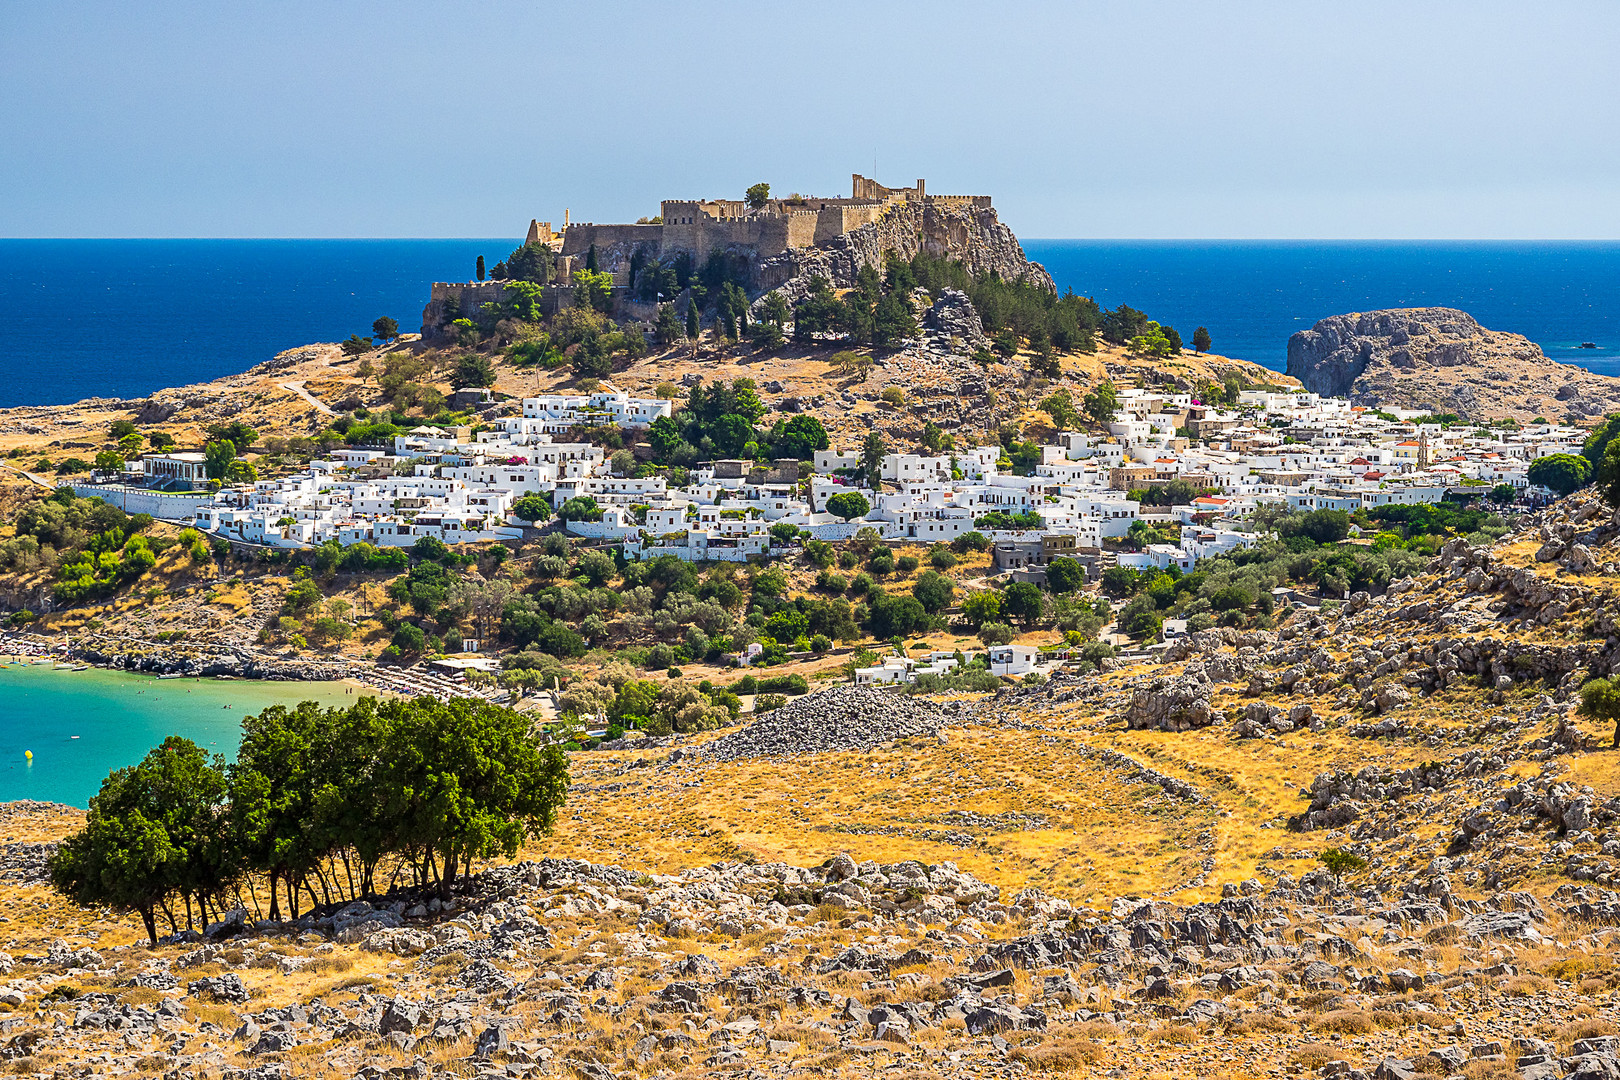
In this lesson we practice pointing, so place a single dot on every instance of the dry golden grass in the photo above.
(1526, 986)
(775, 812)
(1177, 1034)
(1313, 1056)
(1345, 1022)
(1065, 1053)
(1588, 1028)
(1259, 1021)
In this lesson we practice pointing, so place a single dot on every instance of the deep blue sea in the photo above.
(1252, 295)
(125, 317)
(122, 318)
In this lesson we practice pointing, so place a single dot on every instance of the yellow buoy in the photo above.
(28, 754)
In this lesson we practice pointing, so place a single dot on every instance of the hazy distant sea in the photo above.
(88, 318)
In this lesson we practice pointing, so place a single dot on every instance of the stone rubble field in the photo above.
(567, 968)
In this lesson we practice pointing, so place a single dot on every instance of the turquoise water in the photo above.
(83, 724)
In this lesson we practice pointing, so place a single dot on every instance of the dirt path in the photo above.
(30, 477)
(298, 388)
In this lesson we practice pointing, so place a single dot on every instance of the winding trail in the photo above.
(298, 388)
(28, 476)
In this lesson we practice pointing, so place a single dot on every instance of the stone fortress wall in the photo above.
(697, 227)
(775, 240)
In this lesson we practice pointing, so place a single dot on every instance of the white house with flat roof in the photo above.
(190, 465)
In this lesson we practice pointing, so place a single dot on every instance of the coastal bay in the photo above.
(82, 724)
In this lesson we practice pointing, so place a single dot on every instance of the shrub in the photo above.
(764, 703)
(997, 634)
(787, 684)
(971, 541)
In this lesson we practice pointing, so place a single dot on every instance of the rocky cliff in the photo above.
(1441, 359)
(973, 236)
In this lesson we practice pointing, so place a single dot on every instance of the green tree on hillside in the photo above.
(385, 328)
(691, 320)
(478, 270)
(1597, 441)
(355, 345)
(1600, 701)
(934, 591)
(156, 829)
(217, 458)
(1065, 575)
(531, 262)
(982, 607)
(472, 369)
(848, 505)
(800, 437)
(1201, 342)
(757, 195)
(1023, 602)
(1563, 473)
(667, 328)
(873, 451)
(1059, 405)
(892, 322)
(1103, 402)
(531, 507)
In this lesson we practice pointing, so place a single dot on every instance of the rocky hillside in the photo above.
(973, 236)
(1442, 360)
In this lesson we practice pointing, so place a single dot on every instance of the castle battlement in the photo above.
(697, 227)
(765, 244)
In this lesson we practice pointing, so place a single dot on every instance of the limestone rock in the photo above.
(1442, 359)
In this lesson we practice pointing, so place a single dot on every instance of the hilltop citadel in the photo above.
(766, 244)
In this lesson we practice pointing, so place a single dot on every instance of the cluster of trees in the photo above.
(331, 804)
(383, 329)
(96, 548)
(1014, 311)
(1127, 326)
(615, 696)
(1001, 519)
(718, 421)
(1235, 589)
(664, 612)
(1563, 473)
(529, 262)
(1424, 527)
(993, 613)
(876, 312)
(664, 600)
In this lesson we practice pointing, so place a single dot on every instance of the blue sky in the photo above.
(1133, 119)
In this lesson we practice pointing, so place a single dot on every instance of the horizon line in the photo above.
(1023, 239)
